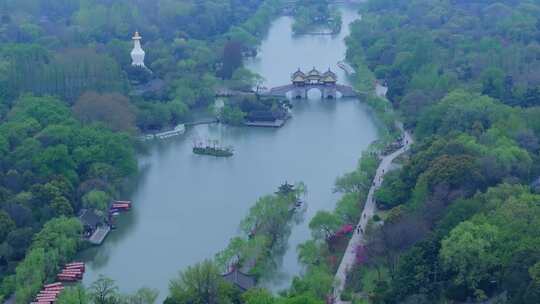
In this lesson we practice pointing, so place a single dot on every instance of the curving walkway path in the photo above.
(369, 210)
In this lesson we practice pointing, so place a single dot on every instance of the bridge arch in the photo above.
(303, 92)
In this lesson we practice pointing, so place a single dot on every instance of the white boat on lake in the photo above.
(178, 130)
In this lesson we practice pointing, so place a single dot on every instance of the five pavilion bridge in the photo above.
(301, 83)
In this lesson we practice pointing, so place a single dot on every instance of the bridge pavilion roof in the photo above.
(314, 72)
(298, 76)
(329, 76)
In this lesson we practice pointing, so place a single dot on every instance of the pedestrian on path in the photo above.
(357, 240)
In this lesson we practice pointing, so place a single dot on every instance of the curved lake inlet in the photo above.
(186, 207)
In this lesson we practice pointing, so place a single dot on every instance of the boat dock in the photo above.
(99, 235)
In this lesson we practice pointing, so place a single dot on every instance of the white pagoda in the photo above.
(137, 54)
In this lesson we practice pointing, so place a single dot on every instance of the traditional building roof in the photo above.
(330, 73)
(136, 36)
(329, 76)
(314, 72)
(90, 218)
(298, 73)
(298, 79)
(240, 279)
(298, 76)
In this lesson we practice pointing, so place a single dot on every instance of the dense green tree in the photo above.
(114, 110)
(54, 245)
(309, 253)
(468, 251)
(61, 206)
(359, 180)
(355, 181)
(465, 97)
(393, 191)
(143, 295)
(517, 278)
(74, 295)
(324, 224)
(56, 150)
(96, 199)
(30, 275)
(6, 225)
(232, 58)
(104, 291)
(313, 287)
(201, 283)
(419, 271)
(232, 115)
(348, 208)
(532, 293)
(258, 296)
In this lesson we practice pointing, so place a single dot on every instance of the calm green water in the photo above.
(187, 207)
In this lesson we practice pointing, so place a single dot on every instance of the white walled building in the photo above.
(137, 54)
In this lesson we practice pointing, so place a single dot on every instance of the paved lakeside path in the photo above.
(358, 237)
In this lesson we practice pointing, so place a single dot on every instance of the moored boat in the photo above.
(212, 148)
(213, 151)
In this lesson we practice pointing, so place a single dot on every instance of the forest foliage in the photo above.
(70, 104)
(461, 75)
(68, 48)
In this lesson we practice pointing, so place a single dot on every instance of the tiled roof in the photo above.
(240, 279)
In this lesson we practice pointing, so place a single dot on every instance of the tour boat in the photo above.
(212, 148)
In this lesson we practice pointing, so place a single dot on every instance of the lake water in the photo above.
(187, 207)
